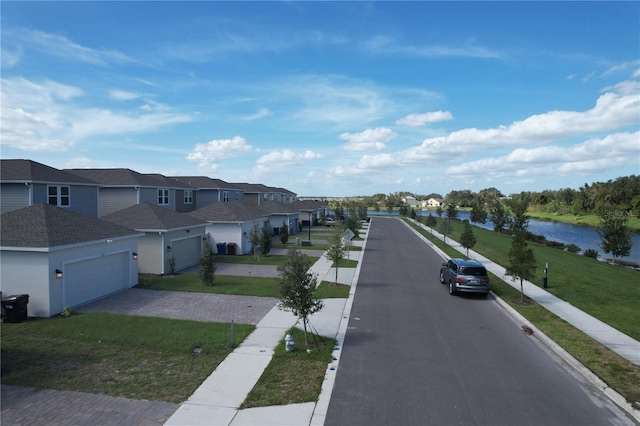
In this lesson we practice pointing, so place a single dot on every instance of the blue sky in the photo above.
(328, 98)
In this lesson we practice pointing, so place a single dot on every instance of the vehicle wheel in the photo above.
(452, 291)
(441, 278)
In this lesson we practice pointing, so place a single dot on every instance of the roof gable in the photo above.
(43, 225)
(145, 216)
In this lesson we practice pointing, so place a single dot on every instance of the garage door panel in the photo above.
(186, 252)
(94, 278)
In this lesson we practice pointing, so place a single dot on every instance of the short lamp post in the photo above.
(288, 342)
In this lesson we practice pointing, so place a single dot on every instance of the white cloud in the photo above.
(260, 113)
(62, 47)
(416, 120)
(334, 99)
(282, 160)
(388, 45)
(122, 95)
(49, 116)
(208, 155)
(591, 156)
(614, 109)
(369, 140)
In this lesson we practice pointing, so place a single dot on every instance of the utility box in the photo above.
(16, 308)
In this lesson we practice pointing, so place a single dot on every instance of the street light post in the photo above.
(309, 227)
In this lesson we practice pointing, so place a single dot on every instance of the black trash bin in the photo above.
(222, 248)
(231, 249)
(15, 307)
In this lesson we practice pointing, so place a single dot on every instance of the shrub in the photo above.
(573, 248)
(591, 253)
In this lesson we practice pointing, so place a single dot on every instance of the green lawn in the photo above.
(584, 220)
(293, 377)
(116, 355)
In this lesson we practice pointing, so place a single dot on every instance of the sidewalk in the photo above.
(615, 340)
(217, 400)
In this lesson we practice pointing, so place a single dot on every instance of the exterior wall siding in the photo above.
(24, 272)
(14, 196)
(206, 197)
(181, 206)
(113, 199)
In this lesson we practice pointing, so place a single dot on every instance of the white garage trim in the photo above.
(94, 277)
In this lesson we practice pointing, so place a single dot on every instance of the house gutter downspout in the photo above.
(163, 252)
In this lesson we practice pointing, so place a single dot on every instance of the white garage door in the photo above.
(94, 278)
(187, 252)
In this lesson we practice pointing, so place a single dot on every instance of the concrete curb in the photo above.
(580, 368)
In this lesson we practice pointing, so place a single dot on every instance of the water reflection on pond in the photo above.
(584, 237)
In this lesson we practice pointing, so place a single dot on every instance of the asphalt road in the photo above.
(414, 355)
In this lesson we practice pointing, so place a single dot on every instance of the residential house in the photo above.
(278, 213)
(287, 196)
(310, 211)
(230, 224)
(186, 196)
(211, 190)
(167, 235)
(24, 183)
(60, 258)
(122, 188)
(256, 194)
(435, 202)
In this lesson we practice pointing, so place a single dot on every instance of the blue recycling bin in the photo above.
(222, 248)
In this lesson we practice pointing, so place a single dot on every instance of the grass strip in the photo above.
(117, 355)
(293, 377)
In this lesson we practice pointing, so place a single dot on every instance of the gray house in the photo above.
(60, 257)
(256, 194)
(122, 188)
(278, 213)
(211, 190)
(24, 183)
(310, 211)
(167, 235)
(231, 223)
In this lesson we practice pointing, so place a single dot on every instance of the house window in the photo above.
(188, 196)
(237, 196)
(225, 196)
(59, 196)
(163, 197)
(266, 197)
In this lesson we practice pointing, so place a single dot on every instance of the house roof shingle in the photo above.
(32, 171)
(205, 182)
(276, 207)
(121, 177)
(235, 211)
(147, 217)
(43, 225)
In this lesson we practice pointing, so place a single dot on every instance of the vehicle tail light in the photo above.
(459, 279)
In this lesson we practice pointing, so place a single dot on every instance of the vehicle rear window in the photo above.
(476, 272)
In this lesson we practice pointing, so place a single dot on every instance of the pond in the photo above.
(584, 237)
